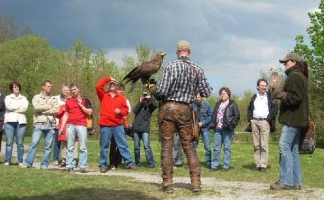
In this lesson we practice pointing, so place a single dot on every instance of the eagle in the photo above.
(144, 71)
(274, 83)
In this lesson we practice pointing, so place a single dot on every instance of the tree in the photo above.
(313, 54)
(10, 30)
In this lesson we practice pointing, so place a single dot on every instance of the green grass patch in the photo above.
(17, 183)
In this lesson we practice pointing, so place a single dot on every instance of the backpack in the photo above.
(307, 139)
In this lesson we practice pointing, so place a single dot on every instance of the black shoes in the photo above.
(260, 169)
(196, 189)
(263, 169)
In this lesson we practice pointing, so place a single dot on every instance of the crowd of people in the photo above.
(181, 91)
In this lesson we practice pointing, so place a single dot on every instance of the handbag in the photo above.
(89, 122)
(195, 127)
(307, 139)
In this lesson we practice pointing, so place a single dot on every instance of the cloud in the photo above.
(233, 40)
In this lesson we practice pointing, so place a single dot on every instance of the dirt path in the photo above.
(211, 187)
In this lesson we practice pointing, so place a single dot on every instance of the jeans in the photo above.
(118, 132)
(205, 134)
(222, 137)
(57, 146)
(177, 151)
(72, 132)
(1, 133)
(15, 129)
(147, 148)
(37, 135)
(290, 172)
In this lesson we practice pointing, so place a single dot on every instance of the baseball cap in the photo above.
(291, 56)
(183, 45)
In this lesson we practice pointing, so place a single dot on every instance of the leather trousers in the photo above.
(177, 117)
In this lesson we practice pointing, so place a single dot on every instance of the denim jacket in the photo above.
(206, 112)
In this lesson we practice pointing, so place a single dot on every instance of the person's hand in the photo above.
(141, 98)
(113, 80)
(281, 95)
(200, 124)
(61, 131)
(117, 111)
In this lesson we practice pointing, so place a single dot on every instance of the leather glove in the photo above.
(281, 95)
(151, 83)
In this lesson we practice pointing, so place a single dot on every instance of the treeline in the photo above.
(30, 59)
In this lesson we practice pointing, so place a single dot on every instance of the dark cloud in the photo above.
(229, 38)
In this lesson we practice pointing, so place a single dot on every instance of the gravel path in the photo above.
(211, 187)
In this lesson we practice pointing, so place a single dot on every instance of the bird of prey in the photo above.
(144, 71)
(274, 83)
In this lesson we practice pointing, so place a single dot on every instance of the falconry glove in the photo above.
(152, 86)
(281, 95)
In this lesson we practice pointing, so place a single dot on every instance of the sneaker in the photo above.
(66, 169)
(213, 169)
(83, 170)
(75, 162)
(63, 163)
(151, 166)
(225, 169)
(6, 164)
(279, 186)
(196, 188)
(112, 167)
(24, 166)
(132, 167)
(56, 163)
(44, 168)
(103, 169)
(167, 189)
(20, 164)
(296, 187)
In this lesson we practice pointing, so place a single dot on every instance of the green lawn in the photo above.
(17, 183)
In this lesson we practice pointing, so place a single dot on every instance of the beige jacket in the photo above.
(16, 108)
(45, 109)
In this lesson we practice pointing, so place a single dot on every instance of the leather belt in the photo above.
(259, 119)
(177, 102)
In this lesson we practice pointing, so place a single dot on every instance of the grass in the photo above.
(17, 183)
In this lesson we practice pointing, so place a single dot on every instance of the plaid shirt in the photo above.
(179, 82)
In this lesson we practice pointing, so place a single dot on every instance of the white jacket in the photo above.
(16, 108)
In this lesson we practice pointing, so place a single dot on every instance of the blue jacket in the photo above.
(206, 112)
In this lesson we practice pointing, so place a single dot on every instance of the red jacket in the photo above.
(109, 104)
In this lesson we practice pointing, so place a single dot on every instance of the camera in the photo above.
(144, 94)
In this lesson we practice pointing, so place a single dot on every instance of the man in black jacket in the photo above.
(261, 114)
(141, 129)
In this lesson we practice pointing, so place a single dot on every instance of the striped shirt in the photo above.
(179, 82)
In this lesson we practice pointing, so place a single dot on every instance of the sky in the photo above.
(232, 40)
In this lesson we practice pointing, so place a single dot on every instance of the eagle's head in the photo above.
(162, 54)
(273, 69)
